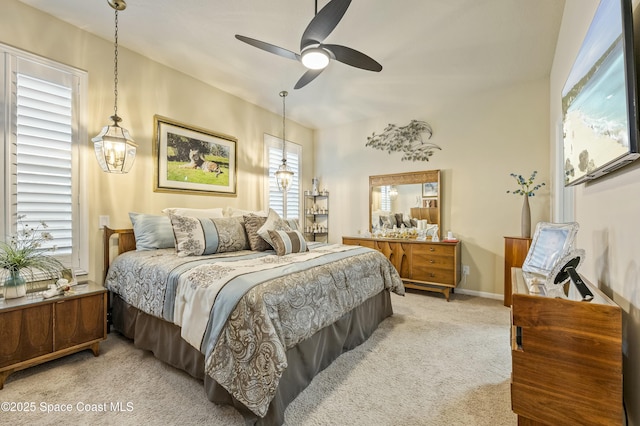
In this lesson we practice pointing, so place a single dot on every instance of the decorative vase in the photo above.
(525, 221)
(14, 286)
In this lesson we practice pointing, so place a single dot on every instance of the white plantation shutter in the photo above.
(42, 103)
(385, 198)
(276, 199)
(44, 159)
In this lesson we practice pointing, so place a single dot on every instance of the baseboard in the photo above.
(485, 294)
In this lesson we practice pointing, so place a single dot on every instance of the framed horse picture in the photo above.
(194, 160)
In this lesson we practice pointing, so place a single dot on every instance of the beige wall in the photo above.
(483, 137)
(147, 88)
(608, 211)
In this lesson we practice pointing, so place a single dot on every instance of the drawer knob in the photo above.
(432, 249)
(432, 261)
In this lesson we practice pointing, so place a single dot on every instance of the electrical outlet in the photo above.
(465, 269)
(103, 221)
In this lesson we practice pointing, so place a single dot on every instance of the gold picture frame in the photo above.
(189, 159)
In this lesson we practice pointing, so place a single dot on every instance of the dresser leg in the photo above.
(3, 377)
(95, 348)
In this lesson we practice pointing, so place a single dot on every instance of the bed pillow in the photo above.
(294, 224)
(151, 232)
(233, 212)
(198, 236)
(252, 223)
(273, 223)
(286, 242)
(199, 213)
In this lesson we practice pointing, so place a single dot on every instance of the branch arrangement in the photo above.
(406, 139)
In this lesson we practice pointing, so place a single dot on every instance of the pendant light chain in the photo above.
(115, 72)
(284, 94)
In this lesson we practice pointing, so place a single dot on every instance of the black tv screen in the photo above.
(599, 98)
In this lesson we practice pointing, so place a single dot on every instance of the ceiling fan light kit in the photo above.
(315, 58)
(314, 54)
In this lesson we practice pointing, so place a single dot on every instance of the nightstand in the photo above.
(36, 330)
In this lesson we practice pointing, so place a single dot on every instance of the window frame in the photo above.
(13, 61)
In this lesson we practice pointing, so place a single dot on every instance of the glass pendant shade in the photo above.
(114, 148)
(284, 177)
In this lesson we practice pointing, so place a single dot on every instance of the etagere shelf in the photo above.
(316, 214)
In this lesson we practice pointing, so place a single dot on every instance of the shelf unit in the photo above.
(316, 216)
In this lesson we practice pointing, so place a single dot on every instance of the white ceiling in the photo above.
(429, 49)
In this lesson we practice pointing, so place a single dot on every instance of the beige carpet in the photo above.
(432, 363)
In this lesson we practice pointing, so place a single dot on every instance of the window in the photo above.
(286, 204)
(41, 125)
(385, 198)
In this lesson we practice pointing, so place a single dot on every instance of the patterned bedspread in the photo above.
(243, 310)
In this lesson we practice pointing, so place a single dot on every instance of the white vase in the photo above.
(14, 286)
(15, 291)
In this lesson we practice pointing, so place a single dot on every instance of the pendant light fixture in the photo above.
(115, 150)
(284, 175)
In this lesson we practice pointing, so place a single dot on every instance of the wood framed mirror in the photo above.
(403, 196)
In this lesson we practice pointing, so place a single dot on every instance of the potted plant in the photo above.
(23, 255)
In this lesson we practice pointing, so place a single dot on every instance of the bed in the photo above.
(277, 321)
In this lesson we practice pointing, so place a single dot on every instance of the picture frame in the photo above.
(551, 242)
(430, 189)
(189, 159)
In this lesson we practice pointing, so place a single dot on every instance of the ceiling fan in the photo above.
(314, 54)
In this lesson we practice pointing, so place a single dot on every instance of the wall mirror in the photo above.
(405, 199)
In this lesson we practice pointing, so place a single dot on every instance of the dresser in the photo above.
(566, 357)
(422, 265)
(34, 330)
(515, 252)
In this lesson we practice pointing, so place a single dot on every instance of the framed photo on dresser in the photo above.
(550, 243)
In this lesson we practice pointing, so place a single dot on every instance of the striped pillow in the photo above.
(286, 242)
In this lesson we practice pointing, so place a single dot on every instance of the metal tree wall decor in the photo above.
(406, 139)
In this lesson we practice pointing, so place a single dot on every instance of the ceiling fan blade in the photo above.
(307, 78)
(324, 22)
(352, 57)
(269, 47)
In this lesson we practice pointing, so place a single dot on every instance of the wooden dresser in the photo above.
(566, 357)
(422, 265)
(34, 330)
(515, 252)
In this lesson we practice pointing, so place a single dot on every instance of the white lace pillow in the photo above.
(274, 223)
(199, 213)
(198, 236)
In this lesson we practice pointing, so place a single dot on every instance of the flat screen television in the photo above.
(600, 96)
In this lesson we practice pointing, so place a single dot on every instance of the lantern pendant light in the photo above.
(284, 175)
(114, 148)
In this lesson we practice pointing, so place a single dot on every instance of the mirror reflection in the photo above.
(405, 204)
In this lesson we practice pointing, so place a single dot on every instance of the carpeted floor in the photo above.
(432, 363)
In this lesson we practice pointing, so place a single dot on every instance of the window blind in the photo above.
(43, 159)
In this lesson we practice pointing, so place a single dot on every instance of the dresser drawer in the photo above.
(424, 272)
(433, 250)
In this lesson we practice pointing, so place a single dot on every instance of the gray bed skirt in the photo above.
(305, 360)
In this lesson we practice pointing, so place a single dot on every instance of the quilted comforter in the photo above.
(243, 310)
